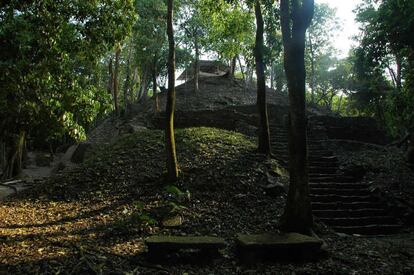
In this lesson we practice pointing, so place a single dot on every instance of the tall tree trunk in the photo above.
(116, 80)
(143, 84)
(127, 81)
(233, 66)
(243, 74)
(338, 110)
(264, 136)
(172, 165)
(312, 76)
(2, 157)
(295, 19)
(14, 165)
(132, 85)
(196, 64)
(271, 75)
(111, 77)
(154, 87)
(399, 68)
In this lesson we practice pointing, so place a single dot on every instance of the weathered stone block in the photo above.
(252, 248)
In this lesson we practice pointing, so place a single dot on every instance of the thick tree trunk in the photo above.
(116, 80)
(196, 64)
(172, 166)
(298, 213)
(264, 135)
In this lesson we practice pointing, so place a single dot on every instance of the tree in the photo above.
(295, 17)
(229, 30)
(386, 45)
(193, 26)
(116, 80)
(172, 165)
(264, 133)
(322, 30)
(48, 56)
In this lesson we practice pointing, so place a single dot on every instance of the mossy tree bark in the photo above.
(172, 165)
(296, 16)
(264, 133)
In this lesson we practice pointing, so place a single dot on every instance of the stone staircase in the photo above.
(338, 200)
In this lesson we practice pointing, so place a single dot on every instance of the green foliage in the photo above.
(387, 47)
(230, 28)
(48, 58)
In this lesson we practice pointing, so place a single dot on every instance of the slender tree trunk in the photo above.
(295, 19)
(233, 66)
(111, 77)
(132, 85)
(338, 110)
(312, 76)
(241, 69)
(116, 80)
(264, 135)
(143, 85)
(154, 87)
(243, 74)
(271, 76)
(399, 67)
(127, 83)
(14, 165)
(172, 165)
(2, 157)
(196, 64)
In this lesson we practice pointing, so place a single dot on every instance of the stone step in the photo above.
(372, 229)
(338, 198)
(365, 212)
(335, 191)
(319, 153)
(331, 178)
(162, 244)
(339, 185)
(312, 159)
(324, 163)
(322, 169)
(345, 205)
(358, 221)
(251, 248)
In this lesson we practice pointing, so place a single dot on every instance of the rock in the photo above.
(356, 171)
(130, 129)
(78, 155)
(274, 187)
(59, 167)
(251, 248)
(158, 245)
(43, 159)
(172, 222)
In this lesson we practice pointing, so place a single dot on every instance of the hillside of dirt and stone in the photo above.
(94, 216)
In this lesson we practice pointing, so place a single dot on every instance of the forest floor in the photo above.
(94, 218)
